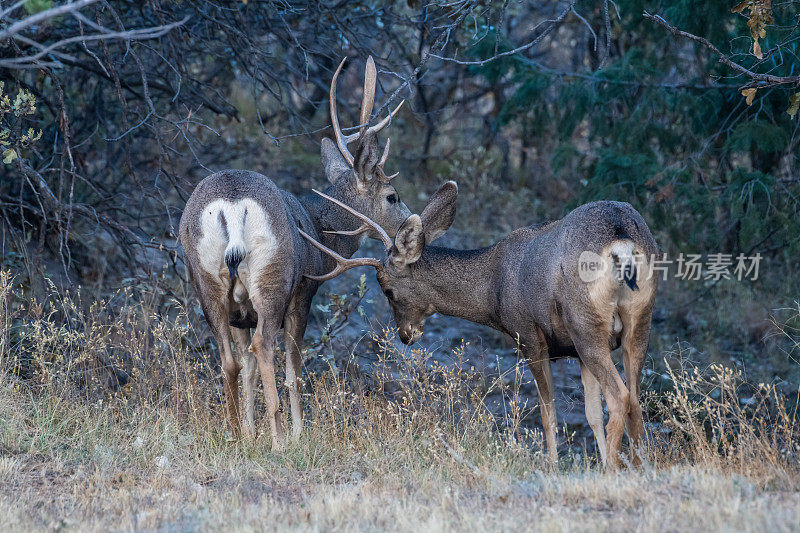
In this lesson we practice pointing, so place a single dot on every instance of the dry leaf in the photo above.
(759, 16)
(794, 105)
(740, 7)
(9, 155)
(749, 94)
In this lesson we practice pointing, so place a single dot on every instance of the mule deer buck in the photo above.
(247, 261)
(528, 285)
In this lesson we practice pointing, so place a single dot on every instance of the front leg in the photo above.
(538, 359)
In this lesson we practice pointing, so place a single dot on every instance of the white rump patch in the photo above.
(247, 223)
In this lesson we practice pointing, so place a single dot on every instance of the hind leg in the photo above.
(294, 329)
(589, 328)
(215, 304)
(270, 315)
(594, 409)
(591, 342)
(241, 339)
(635, 337)
(263, 346)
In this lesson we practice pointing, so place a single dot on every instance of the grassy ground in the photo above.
(89, 467)
(95, 477)
(409, 446)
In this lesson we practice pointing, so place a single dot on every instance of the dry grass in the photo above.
(408, 446)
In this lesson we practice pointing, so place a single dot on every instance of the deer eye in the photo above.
(392, 198)
(389, 294)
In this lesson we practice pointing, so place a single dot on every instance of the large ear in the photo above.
(408, 243)
(366, 158)
(438, 215)
(332, 160)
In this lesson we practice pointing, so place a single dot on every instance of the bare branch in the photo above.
(42, 16)
(554, 22)
(139, 34)
(768, 79)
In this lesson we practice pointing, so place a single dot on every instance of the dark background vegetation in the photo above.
(533, 107)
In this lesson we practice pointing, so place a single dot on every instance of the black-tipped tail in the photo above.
(234, 256)
(629, 275)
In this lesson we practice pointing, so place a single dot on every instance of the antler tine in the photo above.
(377, 127)
(368, 100)
(384, 157)
(358, 231)
(341, 140)
(385, 122)
(387, 241)
(342, 264)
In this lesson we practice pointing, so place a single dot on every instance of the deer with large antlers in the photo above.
(241, 237)
(579, 286)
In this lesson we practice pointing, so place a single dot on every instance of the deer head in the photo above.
(359, 177)
(401, 278)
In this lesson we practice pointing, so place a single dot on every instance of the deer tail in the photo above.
(622, 252)
(235, 251)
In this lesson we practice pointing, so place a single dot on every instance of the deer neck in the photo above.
(328, 217)
(460, 283)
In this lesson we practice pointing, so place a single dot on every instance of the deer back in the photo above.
(246, 209)
(540, 268)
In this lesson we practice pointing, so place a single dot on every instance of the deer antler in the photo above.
(366, 223)
(368, 99)
(377, 127)
(367, 103)
(381, 173)
(342, 264)
(337, 131)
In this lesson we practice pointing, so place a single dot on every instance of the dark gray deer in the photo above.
(247, 260)
(579, 286)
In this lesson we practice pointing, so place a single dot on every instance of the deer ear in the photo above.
(332, 159)
(409, 242)
(366, 158)
(438, 215)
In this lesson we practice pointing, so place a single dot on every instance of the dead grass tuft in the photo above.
(408, 444)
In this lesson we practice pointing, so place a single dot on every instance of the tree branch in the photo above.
(768, 79)
(554, 22)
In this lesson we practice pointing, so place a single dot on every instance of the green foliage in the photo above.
(527, 100)
(36, 6)
(709, 19)
(682, 146)
(758, 135)
(13, 137)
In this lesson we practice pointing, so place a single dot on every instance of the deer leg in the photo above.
(230, 369)
(217, 317)
(594, 409)
(635, 336)
(539, 363)
(214, 299)
(596, 356)
(263, 346)
(294, 329)
(241, 339)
